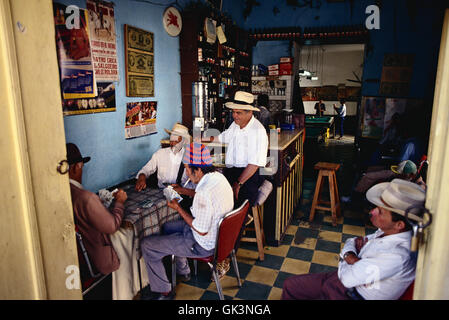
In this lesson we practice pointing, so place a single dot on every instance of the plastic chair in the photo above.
(91, 278)
(228, 230)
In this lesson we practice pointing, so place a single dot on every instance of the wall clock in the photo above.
(172, 21)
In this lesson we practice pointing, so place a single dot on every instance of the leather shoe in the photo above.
(160, 296)
(183, 277)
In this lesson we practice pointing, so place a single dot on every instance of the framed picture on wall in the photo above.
(373, 115)
(139, 61)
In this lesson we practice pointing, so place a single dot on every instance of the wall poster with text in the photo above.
(103, 40)
(373, 115)
(140, 119)
(104, 102)
(74, 53)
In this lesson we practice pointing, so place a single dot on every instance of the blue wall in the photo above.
(102, 136)
(397, 34)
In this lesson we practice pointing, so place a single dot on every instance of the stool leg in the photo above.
(337, 196)
(332, 194)
(258, 233)
(316, 195)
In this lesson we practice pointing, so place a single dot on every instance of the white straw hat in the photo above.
(243, 101)
(179, 130)
(397, 196)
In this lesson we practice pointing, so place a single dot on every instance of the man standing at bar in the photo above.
(341, 111)
(247, 149)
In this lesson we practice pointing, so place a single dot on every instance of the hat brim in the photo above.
(233, 105)
(182, 134)
(374, 196)
(395, 169)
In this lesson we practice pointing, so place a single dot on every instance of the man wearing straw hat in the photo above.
(378, 266)
(167, 161)
(194, 235)
(247, 148)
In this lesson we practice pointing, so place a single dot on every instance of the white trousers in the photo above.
(125, 280)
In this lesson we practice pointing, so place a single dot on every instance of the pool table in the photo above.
(316, 126)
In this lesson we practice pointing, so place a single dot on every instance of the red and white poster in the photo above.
(140, 119)
(103, 40)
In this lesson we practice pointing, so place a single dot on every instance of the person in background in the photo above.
(167, 161)
(95, 223)
(320, 107)
(194, 235)
(264, 116)
(341, 111)
(378, 266)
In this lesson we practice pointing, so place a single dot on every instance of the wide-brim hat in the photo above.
(179, 130)
(405, 167)
(74, 154)
(398, 196)
(243, 101)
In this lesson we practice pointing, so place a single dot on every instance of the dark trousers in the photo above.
(342, 121)
(249, 190)
(314, 286)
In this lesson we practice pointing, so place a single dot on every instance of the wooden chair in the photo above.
(257, 211)
(326, 169)
(228, 230)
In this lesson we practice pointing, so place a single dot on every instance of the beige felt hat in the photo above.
(179, 130)
(243, 101)
(398, 196)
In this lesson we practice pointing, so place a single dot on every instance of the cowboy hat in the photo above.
(74, 154)
(243, 101)
(398, 196)
(179, 130)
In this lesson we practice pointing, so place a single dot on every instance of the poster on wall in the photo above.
(397, 73)
(104, 102)
(393, 106)
(309, 93)
(103, 40)
(140, 119)
(373, 109)
(74, 54)
(139, 61)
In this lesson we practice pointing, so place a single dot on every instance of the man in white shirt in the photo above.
(341, 111)
(167, 161)
(376, 267)
(247, 148)
(194, 235)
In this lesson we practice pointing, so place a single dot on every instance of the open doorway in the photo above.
(330, 75)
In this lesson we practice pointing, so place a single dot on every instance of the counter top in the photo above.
(284, 139)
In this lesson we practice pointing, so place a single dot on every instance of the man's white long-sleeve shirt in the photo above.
(167, 163)
(385, 269)
(245, 146)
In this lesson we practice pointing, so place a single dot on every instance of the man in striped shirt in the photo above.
(194, 235)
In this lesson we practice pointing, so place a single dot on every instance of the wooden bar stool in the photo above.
(257, 212)
(326, 170)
